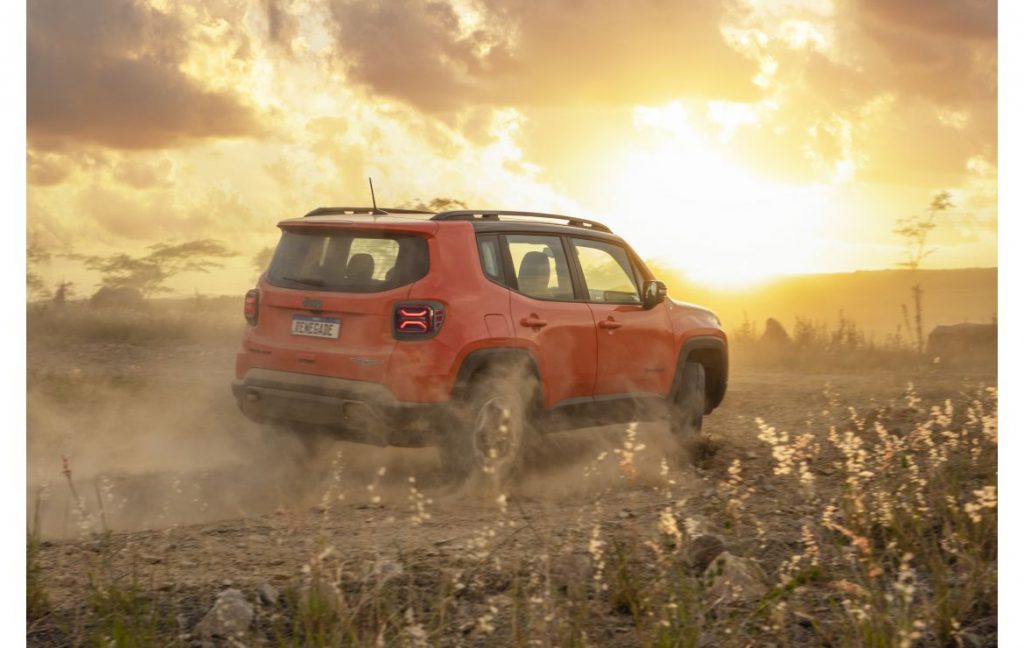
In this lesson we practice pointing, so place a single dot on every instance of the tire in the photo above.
(490, 430)
(687, 416)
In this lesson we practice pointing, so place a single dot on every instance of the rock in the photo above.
(730, 578)
(775, 334)
(775, 343)
(702, 550)
(120, 297)
(229, 617)
(963, 343)
(268, 594)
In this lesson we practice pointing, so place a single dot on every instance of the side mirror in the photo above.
(654, 293)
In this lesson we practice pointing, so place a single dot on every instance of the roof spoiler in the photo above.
(362, 211)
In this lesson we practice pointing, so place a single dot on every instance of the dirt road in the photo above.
(171, 488)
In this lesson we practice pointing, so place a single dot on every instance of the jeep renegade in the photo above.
(470, 330)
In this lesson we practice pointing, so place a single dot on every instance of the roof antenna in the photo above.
(374, 199)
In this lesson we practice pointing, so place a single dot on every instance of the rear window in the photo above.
(347, 261)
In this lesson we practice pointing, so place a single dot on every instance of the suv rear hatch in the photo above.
(327, 299)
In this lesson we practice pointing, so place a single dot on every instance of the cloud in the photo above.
(956, 18)
(282, 25)
(913, 82)
(438, 57)
(145, 174)
(47, 169)
(108, 72)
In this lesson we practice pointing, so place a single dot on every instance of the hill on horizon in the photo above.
(872, 299)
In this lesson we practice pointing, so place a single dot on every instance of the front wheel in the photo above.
(687, 415)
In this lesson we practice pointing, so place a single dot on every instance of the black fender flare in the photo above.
(477, 360)
(716, 380)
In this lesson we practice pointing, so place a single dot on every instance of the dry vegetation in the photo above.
(825, 508)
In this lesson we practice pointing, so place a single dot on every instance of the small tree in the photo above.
(262, 259)
(439, 204)
(914, 230)
(65, 289)
(149, 273)
(36, 254)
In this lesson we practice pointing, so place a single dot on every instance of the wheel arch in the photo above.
(713, 354)
(482, 360)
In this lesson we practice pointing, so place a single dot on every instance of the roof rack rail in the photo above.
(360, 211)
(491, 214)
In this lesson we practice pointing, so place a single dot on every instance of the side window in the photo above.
(541, 268)
(490, 258)
(607, 272)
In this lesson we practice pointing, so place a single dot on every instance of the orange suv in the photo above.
(470, 330)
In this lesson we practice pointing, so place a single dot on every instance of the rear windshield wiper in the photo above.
(309, 281)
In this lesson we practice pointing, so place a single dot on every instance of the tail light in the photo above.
(417, 320)
(252, 306)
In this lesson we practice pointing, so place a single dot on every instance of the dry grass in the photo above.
(894, 545)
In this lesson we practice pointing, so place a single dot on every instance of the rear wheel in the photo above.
(490, 430)
(687, 416)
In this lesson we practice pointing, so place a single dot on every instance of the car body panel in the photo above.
(565, 347)
(637, 357)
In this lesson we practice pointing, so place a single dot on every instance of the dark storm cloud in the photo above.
(956, 18)
(949, 60)
(107, 72)
(533, 53)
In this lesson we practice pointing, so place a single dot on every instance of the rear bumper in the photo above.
(349, 409)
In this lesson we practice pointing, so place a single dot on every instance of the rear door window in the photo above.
(540, 266)
(347, 261)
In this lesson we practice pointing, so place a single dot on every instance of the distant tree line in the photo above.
(146, 273)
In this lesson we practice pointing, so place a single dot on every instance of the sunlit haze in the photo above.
(734, 141)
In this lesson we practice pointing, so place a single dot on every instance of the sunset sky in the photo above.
(733, 139)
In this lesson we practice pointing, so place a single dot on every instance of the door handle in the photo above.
(609, 324)
(533, 321)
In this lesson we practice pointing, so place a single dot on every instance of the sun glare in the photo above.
(680, 200)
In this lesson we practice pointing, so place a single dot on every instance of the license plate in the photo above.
(323, 327)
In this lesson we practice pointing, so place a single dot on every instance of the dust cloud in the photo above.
(152, 441)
